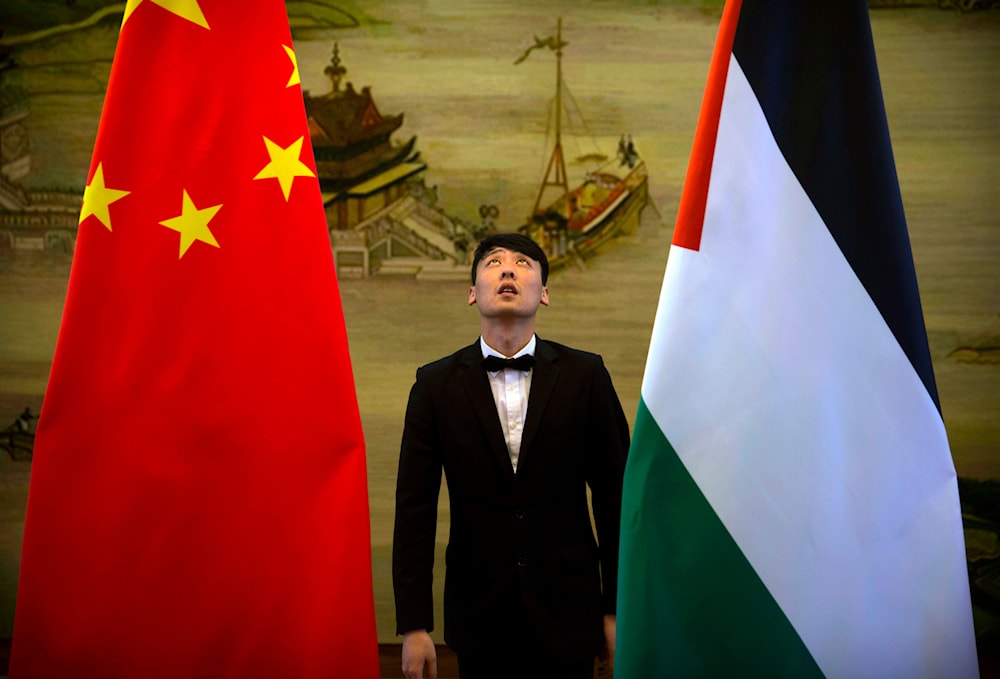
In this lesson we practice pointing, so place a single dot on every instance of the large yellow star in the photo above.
(185, 9)
(97, 197)
(285, 165)
(294, 78)
(192, 224)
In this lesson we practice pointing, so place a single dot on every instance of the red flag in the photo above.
(198, 503)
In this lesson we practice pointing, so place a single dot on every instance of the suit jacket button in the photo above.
(522, 562)
(519, 514)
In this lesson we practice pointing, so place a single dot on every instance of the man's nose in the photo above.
(507, 272)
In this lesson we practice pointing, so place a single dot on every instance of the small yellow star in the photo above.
(285, 165)
(192, 224)
(185, 9)
(294, 78)
(97, 197)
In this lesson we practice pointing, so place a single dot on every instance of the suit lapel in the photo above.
(543, 382)
(477, 387)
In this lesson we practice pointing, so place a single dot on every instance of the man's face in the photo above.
(508, 284)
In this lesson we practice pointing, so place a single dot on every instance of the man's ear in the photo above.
(472, 295)
(545, 296)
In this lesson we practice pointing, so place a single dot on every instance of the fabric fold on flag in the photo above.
(790, 502)
(198, 502)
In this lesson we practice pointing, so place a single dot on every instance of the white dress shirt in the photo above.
(510, 393)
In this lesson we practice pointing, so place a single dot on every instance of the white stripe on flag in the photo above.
(810, 433)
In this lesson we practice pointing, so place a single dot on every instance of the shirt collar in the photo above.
(487, 350)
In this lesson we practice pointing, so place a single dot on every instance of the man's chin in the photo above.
(509, 311)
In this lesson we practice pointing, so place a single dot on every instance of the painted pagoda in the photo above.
(378, 209)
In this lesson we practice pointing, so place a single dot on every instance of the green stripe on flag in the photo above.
(689, 602)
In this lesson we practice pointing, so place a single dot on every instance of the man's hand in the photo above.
(418, 652)
(610, 627)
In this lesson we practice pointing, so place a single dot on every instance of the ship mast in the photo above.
(555, 174)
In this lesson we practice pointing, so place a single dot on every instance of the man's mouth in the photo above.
(507, 289)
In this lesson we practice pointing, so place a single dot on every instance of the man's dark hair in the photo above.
(515, 242)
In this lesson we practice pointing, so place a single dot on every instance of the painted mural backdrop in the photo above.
(433, 123)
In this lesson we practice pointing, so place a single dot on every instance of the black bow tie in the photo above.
(494, 363)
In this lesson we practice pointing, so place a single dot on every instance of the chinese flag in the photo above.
(198, 503)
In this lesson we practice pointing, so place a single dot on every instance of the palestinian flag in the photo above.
(791, 506)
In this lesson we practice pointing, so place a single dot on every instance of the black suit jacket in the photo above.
(522, 559)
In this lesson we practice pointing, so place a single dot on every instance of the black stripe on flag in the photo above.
(815, 75)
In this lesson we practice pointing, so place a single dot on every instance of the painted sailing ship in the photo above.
(608, 203)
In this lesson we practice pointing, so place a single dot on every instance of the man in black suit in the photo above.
(528, 590)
